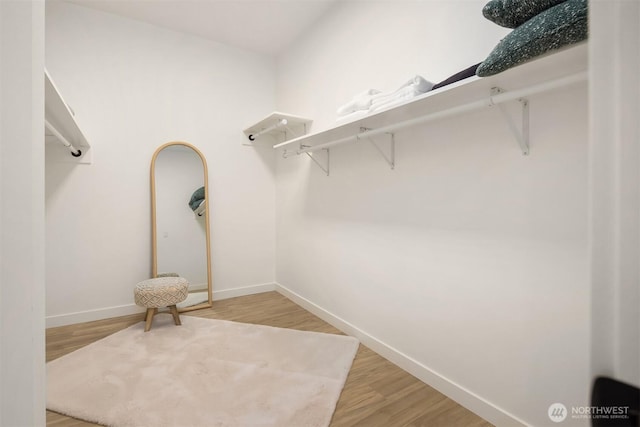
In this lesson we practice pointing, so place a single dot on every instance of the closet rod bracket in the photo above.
(521, 133)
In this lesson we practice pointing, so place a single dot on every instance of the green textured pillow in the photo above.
(513, 13)
(554, 28)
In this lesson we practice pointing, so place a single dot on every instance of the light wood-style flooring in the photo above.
(377, 393)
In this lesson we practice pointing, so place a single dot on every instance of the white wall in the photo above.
(134, 87)
(380, 44)
(468, 260)
(615, 190)
(22, 265)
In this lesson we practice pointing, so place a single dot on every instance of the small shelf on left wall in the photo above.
(60, 125)
(280, 127)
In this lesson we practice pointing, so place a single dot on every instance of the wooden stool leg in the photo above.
(174, 312)
(149, 318)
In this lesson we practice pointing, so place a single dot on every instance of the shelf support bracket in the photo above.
(325, 166)
(286, 154)
(389, 157)
(291, 132)
(520, 133)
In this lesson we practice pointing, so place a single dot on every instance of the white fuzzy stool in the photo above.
(161, 292)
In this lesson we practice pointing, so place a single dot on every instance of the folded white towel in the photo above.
(373, 100)
(400, 93)
(388, 104)
(367, 93)
(419, 83)
(361, 101)
(400, 98)
(412, 88)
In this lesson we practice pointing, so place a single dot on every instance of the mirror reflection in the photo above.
(181, 223)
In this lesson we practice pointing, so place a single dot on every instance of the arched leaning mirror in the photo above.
(180, 220)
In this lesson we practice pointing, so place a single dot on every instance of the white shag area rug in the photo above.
(204, 373)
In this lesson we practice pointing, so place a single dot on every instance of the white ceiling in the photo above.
(264, 26)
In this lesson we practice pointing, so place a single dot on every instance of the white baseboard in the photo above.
(464, 397)
(245, 290)
(124, 310)
(91, 315)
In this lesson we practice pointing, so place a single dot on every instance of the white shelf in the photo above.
(567, 66)
(61, 118)
(280, 126)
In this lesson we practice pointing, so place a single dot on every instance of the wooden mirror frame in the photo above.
(154, 231)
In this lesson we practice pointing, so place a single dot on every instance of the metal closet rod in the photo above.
(281, 122)
(74, 151)
(491, 100)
